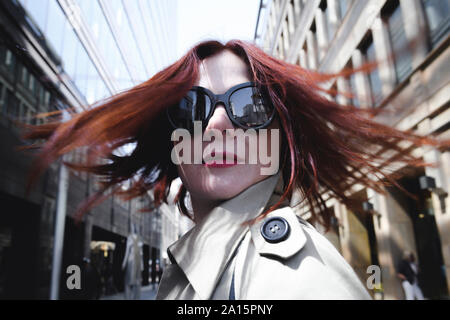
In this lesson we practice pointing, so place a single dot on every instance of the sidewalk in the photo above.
(147, 293)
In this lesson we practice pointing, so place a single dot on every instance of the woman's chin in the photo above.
(227, 186)
(220, 183)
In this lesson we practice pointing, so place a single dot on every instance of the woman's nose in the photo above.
(220, 120)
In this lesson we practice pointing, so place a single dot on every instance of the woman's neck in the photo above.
(202, 207)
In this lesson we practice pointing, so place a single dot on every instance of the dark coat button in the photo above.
(275, 229)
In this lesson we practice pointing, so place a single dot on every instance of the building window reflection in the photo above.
(55, 26)
(38, 10)
(438, 17)
(59, 33)
(69, 51)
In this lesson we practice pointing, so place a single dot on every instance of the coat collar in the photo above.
(204, 251)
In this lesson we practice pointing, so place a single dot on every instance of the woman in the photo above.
(247, 242)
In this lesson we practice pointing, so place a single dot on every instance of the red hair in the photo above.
(328, 147)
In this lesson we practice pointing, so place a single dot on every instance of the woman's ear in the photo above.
(183, 202)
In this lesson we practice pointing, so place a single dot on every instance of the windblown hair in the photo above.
(328, 147)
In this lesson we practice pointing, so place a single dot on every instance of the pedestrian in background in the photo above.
(133, 266)
(90, 283)
(408, 272)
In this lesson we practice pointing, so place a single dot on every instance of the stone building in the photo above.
(409, 39)
(56, 54)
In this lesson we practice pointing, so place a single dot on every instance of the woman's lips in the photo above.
(219, 165)
(212, 163)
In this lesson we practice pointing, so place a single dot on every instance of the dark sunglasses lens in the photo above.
(249, 107)
(195, 106)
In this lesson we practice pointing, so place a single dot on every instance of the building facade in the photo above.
(58, 54)
(409, 39)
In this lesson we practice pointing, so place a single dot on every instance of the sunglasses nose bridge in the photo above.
(220, 102)
(219, 99)
(220, 119)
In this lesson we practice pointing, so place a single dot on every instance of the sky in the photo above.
(221, 20)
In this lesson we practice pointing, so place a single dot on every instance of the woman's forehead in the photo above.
(222, 71)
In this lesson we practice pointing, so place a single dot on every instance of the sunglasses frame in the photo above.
(225, 100)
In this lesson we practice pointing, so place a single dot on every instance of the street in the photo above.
(147, 293)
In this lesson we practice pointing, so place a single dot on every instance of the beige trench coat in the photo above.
(305, 265)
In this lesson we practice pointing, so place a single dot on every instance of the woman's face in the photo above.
(212, 182)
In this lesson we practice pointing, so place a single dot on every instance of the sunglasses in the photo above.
(246, 105)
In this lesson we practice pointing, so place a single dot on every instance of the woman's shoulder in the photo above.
(305, 253)
(282, 233)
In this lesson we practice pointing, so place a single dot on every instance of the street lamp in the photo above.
(429, 183)
(368, 207)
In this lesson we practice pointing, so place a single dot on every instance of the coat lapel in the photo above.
(203, 252)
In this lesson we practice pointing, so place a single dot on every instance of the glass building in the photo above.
(57, 54)
(106, 46)
(410, 41)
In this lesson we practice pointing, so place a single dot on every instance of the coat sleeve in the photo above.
(333, 272)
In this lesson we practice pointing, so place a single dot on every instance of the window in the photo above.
(32, 84)
(55, 26)
(290, 19)
(438, 16)
(312, 47)
(37, 90)
(12, 105)
(81, 73)
(368, 50)
(329, 25)
(101, 91)
(303, 57)
(296, 7)
(69, 51)
(142, 34)
(353, 99)
(153, 8)
(285, 35)
(27, 79)
(122, 22)
(27, 113)
(44, 99)
(352, 82)
(399, 43)
(106, 43)
(24, 76)
(38, 10)
(280, 47)
(93, 78)
(47, 98)
(9, 58)
(272, 22)
(8, 62)
(344, 5)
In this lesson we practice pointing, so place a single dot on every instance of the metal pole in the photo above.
(58, 241)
